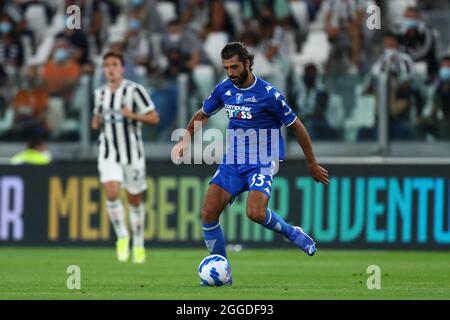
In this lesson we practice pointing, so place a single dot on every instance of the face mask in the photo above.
(5, 27)
(174, 37)
(66, 22)
(134, 24)
(61, 54)
(411, 24)
(444, 73)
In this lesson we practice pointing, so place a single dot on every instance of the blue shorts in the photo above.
(237, 178)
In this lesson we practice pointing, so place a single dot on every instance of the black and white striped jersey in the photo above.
(396, 63)
(120, 139)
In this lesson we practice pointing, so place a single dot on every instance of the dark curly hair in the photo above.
(237, 49)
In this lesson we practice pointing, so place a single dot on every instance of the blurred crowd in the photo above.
(307, 48)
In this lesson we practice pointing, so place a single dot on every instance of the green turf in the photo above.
(40, 273)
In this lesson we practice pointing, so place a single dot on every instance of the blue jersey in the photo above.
(256, 115)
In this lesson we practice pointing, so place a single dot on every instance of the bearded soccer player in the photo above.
(121, 107)
(251, 103)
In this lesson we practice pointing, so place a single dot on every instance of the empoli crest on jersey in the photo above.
(239, 97)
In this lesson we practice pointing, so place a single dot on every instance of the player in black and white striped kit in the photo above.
(120, 108)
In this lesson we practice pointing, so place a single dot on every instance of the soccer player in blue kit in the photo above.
(251, 104)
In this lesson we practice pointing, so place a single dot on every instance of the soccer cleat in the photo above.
(138, 255)
(122, 249)
(303, 241)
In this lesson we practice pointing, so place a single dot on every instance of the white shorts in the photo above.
(132, 177)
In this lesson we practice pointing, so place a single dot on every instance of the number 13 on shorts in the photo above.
(260, 182)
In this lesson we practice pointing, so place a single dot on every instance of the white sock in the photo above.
(137, 222)
(117, 218)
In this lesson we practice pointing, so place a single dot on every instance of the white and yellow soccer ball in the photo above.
(214, 270)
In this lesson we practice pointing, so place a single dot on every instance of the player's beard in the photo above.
(242, 78)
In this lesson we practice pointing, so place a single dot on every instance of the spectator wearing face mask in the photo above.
(137, 42)
(440, 116)
(61, 73)
(420, 41)
(145, 11)
(182, 49)
(80, 46)
(312, 103)
(11, 49)
(403, 97)
(392, 62)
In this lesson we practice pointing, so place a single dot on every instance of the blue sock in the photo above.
(214, 239)
(275, 223)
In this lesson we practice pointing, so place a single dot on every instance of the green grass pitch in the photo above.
(171, 274)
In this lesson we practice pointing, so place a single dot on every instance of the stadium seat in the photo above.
(262, 65)
(203, 76)
(43, 51)
(159, 60)
(300, 13)
(397, 8)
(335, 114)
(427, 110)
(319, 22)
(121, 23)
(421, 69)
(55, 116)
(57, 25)
(213, 45)
(70, 125)
(315, 49)
(167, 11)
(7, 120)
(363, 114)
(36, 20)
(234, 11)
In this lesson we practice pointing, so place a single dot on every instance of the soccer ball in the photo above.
(214, 270)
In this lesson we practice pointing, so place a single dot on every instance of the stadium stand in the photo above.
(284, 35)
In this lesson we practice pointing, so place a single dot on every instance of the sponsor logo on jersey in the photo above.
(112, 116)
(238, 112)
